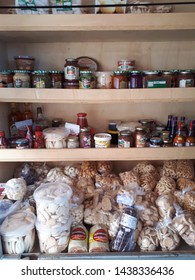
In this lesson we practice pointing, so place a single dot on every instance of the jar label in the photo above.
(18, 83)
(123, 144)
(156, 84)
(86, 83)
(128, 221)
(186, 83)
(39, 83)
(71, 73)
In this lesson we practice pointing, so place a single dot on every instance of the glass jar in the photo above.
(71, 73)
(135, 79)
(21, 79)
(39, 142)
(6, 79)
(3, 140)
(86, 80)
(41, 79)
(72, 142)
(56, 79)
(85, 138)
(140, 137)
(155, 142)
(103, 80)
(119, 79)
(152, 79)
(112, 130)
(149, 124)
(168, 76)
(22, 143)
(82, 120)
(167, 143)
(125, 139)
(185, 79)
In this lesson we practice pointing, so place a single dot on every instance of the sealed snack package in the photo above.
(78, 242)
(88, 170)
(129, 177)
(104, 167)
(166, 185)
(165, 204)
(72, 170)
(98, 239)
(147, 213)
(56, 174)
(108, 182)
(77, 207)
(148, 240)
(86, 186)
(7, 207)
(15, 188)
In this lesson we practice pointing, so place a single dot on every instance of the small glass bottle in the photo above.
(27, 114)
(3, 140)
(85, 138)
(173, 130)
(39, 142)
(72, 142)
(82, 120)
(41, 120)
(179, 140)
(190, 139)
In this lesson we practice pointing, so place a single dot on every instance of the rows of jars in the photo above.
(27, 131)
(75, 77)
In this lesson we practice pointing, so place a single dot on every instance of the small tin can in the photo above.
(125, 139)
(86, 80)
(155, 142)
(126, 65)
(85, 138)
(72, 142)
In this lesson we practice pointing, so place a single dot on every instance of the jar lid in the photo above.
(71, 59)
(146, 121)
(118, 72)
(72, 138)
(155, 140)
(81, 115)
(2, 133)
(56, 72)
(86, 72)
(22, 71)
(160, 127)
(166, 72)
(185, 72)
(85, 129)
(55, 133)
(125, 133)
(21, 141)
(151, 72)
(134, 72)
(5, 72)
(24, 57)
(40, 72)
(140, 128)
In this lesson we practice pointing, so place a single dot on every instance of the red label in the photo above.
(100, 235)
(78, 233)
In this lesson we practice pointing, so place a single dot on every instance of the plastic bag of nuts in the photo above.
(185, 169)
(129, 177)
(148, 240)
(88, 170)
(104, 167)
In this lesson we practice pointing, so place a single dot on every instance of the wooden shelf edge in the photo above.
(97, 95)
(94, 154)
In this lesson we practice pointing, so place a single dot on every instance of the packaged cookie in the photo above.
(108, 182)
(169, 168)
(88, 170)
(189, 202)
(78, 242)
(104, 167)
(166, 185)
(183, 183)
(148, 240)
(129, 177)
(98, 239)
(185, 169)
(148, 213)
(86, 186)
(72, 170)
(148, 181)
(165, 204)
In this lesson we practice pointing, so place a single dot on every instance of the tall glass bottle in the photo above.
(179, 140)
(27, 114)
(14, 116)
(169, 122)
(190, 139)
(40, 120)
(173, 130)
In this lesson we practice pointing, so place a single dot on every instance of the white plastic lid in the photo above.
(56, 133)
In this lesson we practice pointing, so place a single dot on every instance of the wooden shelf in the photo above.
(94, 154)
(97, 95)
(99, 27)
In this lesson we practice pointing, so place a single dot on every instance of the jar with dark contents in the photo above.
(85, 138)
(82, 120)
(72, 142)
(71, 73)
(119, 79)
(41, 79)
(155, 142)
(124, 241)
(56, 79)
(185, 79)
(86, 80)
(140, 137)
(168, 76)
(56, 123)
(125, 139)
(6, 79)
(113, 131)
(135, 79)
(149, 124)
(152, 79)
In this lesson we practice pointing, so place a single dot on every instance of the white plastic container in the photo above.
(55, 137)
(102, 140)
(18, 233)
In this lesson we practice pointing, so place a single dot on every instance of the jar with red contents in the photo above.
(39, 142)
(135, 79)
(82, 120)
(71, 73)
(119, 79)
(3, 140)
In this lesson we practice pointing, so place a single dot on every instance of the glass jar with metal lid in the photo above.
(149, 124)
(72, 142)
(119, 79)
(135, 79)
(185, 79)
(168, 76)
(71, 73)
(41, 79)
(85, 138)
(86, 80)
(21, 79)
(6, 79)
(125, 139)
(152, 79)
(155, 142)
(140, 137)
(56, 78)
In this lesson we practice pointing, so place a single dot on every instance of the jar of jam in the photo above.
(86, 80)
(185, 79)
(119, 79)
(113, 131)
(21, 79)
(72, 142)
(85, 138)
(168, 77)
(135, 79)
(125, 139)
(152, 79)
(82, 120)
(3, 140)
(71, 73)
(140, 137)
(56, 123)
(56, 79)
(6, 79)
(41, 79)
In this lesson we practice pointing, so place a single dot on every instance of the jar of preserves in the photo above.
(41, 79)
(72, 142)
(168, 76)
(39, 141)
(3, 140)
(56, 79)
(185, 79)
(174, 77)
(86, 80)
(6, 79)
(135, 79)
(125, 139)
(56, 123)
(167, 143)
(71, 73)
(119, 79)
(21, 79)
(140, 137)
(82, 120)
(152, 79)
(155, 142)
(149, 124)
(85, 138)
